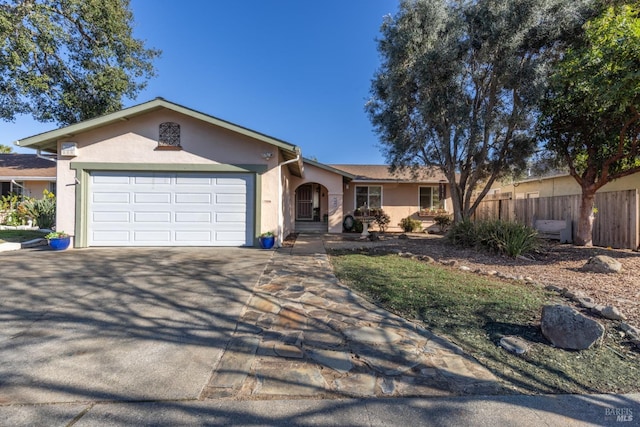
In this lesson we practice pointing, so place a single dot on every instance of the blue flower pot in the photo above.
(59, 243)
(267, 242)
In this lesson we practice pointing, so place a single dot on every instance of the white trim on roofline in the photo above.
(4, 178)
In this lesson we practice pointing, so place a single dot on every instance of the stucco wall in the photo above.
(135, 141)
(399, 200)
(288, 214)
(35, 189)
(332, 203)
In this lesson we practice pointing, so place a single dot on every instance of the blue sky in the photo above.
(297, 70)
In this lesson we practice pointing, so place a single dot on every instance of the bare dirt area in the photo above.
(554, 264)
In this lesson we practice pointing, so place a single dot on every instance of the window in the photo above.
(18, 188)
(169, 136)
(52, 187)
(369, 197)
(429, 198)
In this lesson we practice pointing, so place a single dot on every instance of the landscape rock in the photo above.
(427, 259)
(611, 313)
(514, 345)
(403, 237)
(450, 263)
(630, 330)
(566, 328)
(465, 268)
(374, 237)
(575, 295)
(586, 302)
(602, 264)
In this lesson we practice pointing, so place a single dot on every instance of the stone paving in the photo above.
(302, 334)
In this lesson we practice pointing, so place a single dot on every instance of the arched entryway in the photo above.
(311, 208)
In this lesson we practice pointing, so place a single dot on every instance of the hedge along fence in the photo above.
(617, 222)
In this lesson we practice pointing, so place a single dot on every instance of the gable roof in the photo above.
(47, 141)
(381, 173)
(26, 167)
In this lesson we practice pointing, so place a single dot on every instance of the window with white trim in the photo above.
(429, 198)
(369, 197)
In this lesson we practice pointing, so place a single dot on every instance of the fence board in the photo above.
(617, 223)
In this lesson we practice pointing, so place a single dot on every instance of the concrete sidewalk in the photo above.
(516, 411)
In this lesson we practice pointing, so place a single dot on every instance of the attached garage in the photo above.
(136, 208)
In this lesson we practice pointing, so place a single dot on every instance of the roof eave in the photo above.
(27, 178)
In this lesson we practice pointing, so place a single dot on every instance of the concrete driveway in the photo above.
(118, 324)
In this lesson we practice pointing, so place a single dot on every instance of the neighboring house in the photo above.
(560, 184)
(160, 174)
(26, 174)
(558, 197)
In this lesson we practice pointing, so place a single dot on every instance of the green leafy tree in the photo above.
(5, 149)
(459, 82)
(591, 115)
(69, 60)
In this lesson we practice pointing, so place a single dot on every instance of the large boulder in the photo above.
(602, 264)
(566, 328)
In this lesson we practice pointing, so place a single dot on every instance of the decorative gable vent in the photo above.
(169, 136)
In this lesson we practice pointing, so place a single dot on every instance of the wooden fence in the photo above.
(617, 222)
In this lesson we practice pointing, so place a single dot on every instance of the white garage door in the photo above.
(170, 209)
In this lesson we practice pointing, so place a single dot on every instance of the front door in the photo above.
(304, 202)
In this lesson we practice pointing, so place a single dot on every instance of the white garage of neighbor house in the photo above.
(160, 174)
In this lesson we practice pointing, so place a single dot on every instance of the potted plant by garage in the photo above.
(267, 240)
(58, 240)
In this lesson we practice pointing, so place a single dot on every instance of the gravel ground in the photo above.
(557, 264)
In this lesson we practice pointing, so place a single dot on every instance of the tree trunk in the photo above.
(584, 234)
(457, 203)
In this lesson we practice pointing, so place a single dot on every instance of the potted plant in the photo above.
(58, 240)
(267, 240)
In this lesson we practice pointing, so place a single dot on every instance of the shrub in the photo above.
(503, 237)
(409, 224)
(381, 219)
(463, 233)
(17, 208)
(443, 220)
(358, 226)
(43, 211)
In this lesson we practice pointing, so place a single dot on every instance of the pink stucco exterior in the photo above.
(399, 200)
(135, 141)
(129, 141)
(331, 201)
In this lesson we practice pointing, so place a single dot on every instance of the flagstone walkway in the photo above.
(304, 335)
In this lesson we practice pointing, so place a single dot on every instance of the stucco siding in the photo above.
(399, 200)
(333, 200)
(35, 189)
(288, 214)
(134, 141)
